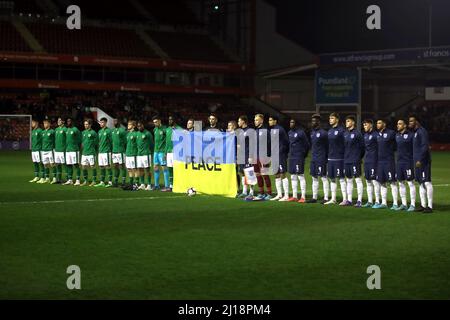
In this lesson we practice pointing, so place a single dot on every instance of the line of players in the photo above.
(117, 152)
(337, 156)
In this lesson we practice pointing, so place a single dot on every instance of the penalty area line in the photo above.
(87, 200)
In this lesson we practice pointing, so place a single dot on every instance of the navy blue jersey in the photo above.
(371, 147)
(298, 144)
(386, 145)
(336, 147)
(421, 146)
(244, 147)
(283, 138)
(354, 146)
(404, 147)
(260, 133)
(319, 145)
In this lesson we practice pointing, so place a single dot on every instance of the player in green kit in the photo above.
(73, 142)
(36, 146)
(119, 144)
(144, 141)
(104, 153)
(169, 147)
(159, 156)
(89, 144)
(131, 152)
(48, 145)
(60, 148)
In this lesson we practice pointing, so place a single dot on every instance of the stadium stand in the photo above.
(90, 41)
(189, 46)
(11, 40)
(26, 7)
(164, 12)
(95, 10)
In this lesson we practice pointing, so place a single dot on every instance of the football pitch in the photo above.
(154, 245)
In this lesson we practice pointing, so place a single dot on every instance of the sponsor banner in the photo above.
(386, 56)
(15, 145)
(159, 64)
(110, 86)
(337, 86)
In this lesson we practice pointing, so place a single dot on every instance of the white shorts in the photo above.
(104, 159)
(88, 161)
(130, 162)
(47, 157)
(36, 156)
(169, 160)
(118, 158)
(143, 161)
(60, 158)
(72, 157)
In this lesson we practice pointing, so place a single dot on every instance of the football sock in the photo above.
(294, 182)
(349, 189)
(359, 188)
(369, 187)
(278, 186)
(94, 175)
(69, 172)
(36, 169)
(166, 178)
(402, 190)
(333, 190)
(343, 187)
(412, 193)
(326, 188)
(394, 190)
(423, 195)
(302, 180)
(102, 174)
(315, 187)
(376, 189)
(286, 187)
(429, 187)
(384, 194)
(157, 178)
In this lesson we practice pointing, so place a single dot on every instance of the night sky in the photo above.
(334, 26)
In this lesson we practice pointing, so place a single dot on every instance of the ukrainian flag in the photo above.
(204, 161)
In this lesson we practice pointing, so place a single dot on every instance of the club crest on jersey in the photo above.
(415, 135)
(405, 136)
(295, 135)
(318, 135)
(89, 135)
(336, 133)
(370, 137)
(384, 135)
(352, 136)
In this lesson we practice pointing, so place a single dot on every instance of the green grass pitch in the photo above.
(153, 245)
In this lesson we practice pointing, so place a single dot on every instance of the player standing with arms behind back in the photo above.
(405, 165)
(48, 146)
(73, 142)
(36, 147)
(89, 145)
(336, 151)
(298, 150)
(422, 162)
(169, 147)
(131, 153)
(159, 156)
(319, 156)
(370, 163)
(386, 164)
(119, 144)
(354, 151)
(104, 153)
(144, 143)
(60, 149)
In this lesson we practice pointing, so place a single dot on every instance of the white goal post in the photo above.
(27, 118)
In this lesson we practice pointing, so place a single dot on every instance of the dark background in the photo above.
(335, 26)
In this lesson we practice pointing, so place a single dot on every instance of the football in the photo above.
(191, 192)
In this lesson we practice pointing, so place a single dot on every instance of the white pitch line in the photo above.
(87, 200)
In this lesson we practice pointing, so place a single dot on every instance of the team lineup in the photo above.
(390, 158)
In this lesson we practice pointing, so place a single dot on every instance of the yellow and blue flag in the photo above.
(205, 161)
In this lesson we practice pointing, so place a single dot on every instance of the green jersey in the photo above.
(73, 139)
(36, 139)
(104, 140)
(160, 138)
(169, 143)
(48, 140)
(131, 150)
(119, 140)
(60, 139)
(144, 141)
(89, 142)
